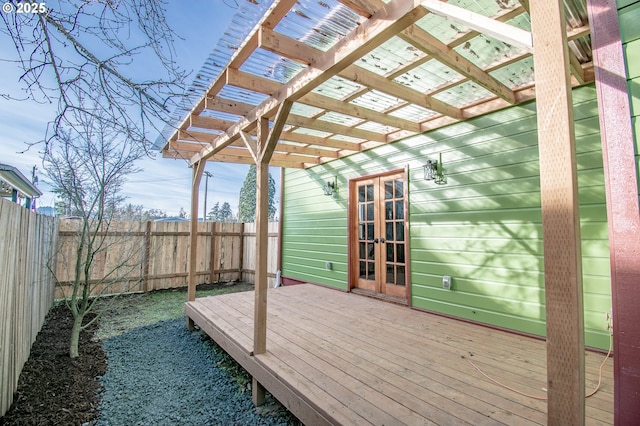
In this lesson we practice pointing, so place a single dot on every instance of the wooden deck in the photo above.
(339, 358)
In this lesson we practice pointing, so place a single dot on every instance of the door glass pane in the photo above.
(388, 190)
(400, 253)
(361, 233)
(369, 192)
(361, 211)
(390, 252)
(362, 251)
(399, 209)
(401, 280)
(370, 231)
(400, 231)
(370, 211)
(399, 188)
(361, 194)
(363, 270)
(389, 233)
(371, 270)
(371, 251)
(388, 210)
(390, 275)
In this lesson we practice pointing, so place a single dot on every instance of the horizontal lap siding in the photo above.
(483, 227)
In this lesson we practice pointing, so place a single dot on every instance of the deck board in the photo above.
(339, 358)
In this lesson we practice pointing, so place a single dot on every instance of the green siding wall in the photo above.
(629, 12)
(483, 228)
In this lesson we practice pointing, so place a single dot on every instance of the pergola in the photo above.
(317, 80)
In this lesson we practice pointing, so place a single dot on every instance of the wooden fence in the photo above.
(156, 255)
(27, 244)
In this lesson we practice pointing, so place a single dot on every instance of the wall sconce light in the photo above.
(330, 187)
(434, 171)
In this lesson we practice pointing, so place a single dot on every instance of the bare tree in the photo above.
(88, 51)
(88, 170)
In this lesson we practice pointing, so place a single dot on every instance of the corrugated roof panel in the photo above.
(346, 138)
(318, 23)
(440, 28)
(377, 101)
(338, 88)
(414, 113)
(516, 74)
(270, 65)
(312, 132)
(464, 94)
(242, 95)
(219, 115)
(342, 119)
(485, 7)
(392, 55)
(484, 50)
(305, 110)
(428, 77)
(377, 127)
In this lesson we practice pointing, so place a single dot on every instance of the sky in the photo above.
(163, 184)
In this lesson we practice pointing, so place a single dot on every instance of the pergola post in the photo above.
(560, 216)
(262, 225)
(198, 169)
(621, 185)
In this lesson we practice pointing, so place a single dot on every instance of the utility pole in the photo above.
(206, 185)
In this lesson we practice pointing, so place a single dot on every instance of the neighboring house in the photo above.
(14, 185)
(412, 175)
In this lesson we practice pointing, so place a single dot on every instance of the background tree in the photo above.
(88, 170)
(116, 55)
(214, 213)
(153, 214)
(247, 204)
(226, 215)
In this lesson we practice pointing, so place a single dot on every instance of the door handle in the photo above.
(375, 241)
(382, 240)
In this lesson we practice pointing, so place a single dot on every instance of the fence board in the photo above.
(27, 245)
(226, 252)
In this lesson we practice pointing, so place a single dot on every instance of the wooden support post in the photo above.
(258, 393)
(620, 174)
(560, 216)
(198, 169)
(262, 241)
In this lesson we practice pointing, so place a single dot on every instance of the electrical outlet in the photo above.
(446, 282)
(328, 266)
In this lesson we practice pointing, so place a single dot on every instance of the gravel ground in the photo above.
(163, 374)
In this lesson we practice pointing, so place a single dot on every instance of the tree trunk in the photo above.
(75, 336)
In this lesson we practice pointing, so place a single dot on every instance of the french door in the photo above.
(378, 243)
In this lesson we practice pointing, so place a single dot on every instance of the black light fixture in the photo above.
(330, 187)
(434, 171)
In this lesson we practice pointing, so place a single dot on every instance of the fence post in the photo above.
(146, 258)
(212, 255)
(241, 267)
